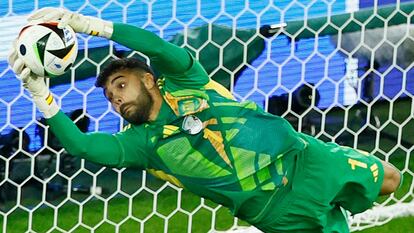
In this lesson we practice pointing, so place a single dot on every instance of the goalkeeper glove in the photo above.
(83, 24)
(36, 86)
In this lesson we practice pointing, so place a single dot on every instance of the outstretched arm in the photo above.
(106, 149)
(175, 63)
(165, 56)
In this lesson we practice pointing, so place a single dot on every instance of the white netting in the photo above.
(354, 88)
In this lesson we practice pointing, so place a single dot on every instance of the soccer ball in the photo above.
(47, 50)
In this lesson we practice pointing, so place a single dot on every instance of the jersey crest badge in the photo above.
(192, 125)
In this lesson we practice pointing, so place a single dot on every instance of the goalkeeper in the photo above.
(189, 130)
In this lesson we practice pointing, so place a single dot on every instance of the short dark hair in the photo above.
(116, 65)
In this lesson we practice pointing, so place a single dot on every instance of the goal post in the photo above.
(339, 76)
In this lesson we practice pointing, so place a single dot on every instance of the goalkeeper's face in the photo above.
(129, 96)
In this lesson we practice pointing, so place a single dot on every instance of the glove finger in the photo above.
(25, 75)
(12, 53)
(40, 14)
(64, 21)
(12, 57)
(18, 66)
(53, 16)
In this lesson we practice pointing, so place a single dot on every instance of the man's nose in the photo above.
(117, 101)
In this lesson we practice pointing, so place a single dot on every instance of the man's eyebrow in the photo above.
(112, 81)
(117, 77)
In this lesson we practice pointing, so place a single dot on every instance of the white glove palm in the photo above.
(34, 84)
(80, 23)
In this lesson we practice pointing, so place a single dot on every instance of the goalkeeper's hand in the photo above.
(80, 23)
(37, 87)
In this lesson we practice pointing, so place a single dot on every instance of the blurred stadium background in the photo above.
(341, 70)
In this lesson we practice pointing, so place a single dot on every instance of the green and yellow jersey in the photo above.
(202, 139)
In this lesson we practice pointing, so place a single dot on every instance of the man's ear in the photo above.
(148, 81)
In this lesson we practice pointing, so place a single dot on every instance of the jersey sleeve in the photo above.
(114, 150)
(176, 64)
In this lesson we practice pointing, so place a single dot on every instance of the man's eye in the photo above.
(121, 85)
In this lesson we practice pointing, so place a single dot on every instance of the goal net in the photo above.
(340, 70)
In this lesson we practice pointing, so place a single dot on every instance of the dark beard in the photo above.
(139, 109)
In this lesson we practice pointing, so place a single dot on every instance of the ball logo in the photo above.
(67, 36)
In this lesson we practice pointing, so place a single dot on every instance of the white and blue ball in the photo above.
(47, 50)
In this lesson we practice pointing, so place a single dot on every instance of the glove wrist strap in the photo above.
(46, 105)
(99, 27)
